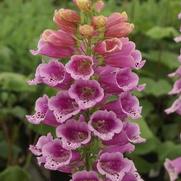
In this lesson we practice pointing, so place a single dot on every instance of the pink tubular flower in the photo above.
(108, 46)
(56, 44)
(55, 155)
(105, 124)
(42, 113)
(126, 105)
(176, 88)
(176, 107)
(117, 25)
(80, 67)
(52, 74)
(127, 56)
(113, 165)
(130, 133)
(123, 142)
(87, 93)
(66, 83)
(85, 176)
(41, 108)
(37, 149)
(115, 80)
(63, 106)
(67, 20)
(176, 73)
(126, 148)
(133, 132)
(74, 133)
(173, 168)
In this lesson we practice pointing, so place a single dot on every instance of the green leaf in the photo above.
(151, 142)
(42, 129)
(112, 98)
(142, 165)
(147, 107)
(14, 174)
(14, 82)
(161, 32)
(168, 150)
(149, 146)
(166, 58)
(18, 112)
(145, 130)
(4, 150)
(156, 88)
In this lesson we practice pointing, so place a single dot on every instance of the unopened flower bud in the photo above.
(117, 25)
(99, 5)
(66, 19)
(67, 15)
(99, 21)
(84, 5)
(86, 30)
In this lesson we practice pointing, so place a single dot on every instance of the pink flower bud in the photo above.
(117, 25)
(99, 6)
(66, 19)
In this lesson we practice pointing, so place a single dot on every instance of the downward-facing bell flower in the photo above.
(108, 46)
(63, 106)
(85, 176)
(105, 124)
(176, 73)
(126, 106)
(55, 44)
(116, 80)
(173, 168)
(80, 67)
(41, 108)
(176, 107)
(123, 141)
(87, 93)
(42, 113)
(55, 155)
(127, 56)
(113, 165)
(37, 149)
(52, 74)
(74, 133)
(176, 88)
(133, 133)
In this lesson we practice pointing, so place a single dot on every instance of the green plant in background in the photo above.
(21, 22)
(155, 26)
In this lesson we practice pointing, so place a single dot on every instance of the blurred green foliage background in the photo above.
(22, 22)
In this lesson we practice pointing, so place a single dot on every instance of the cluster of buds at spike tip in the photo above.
(91, 64)
(173, 167)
